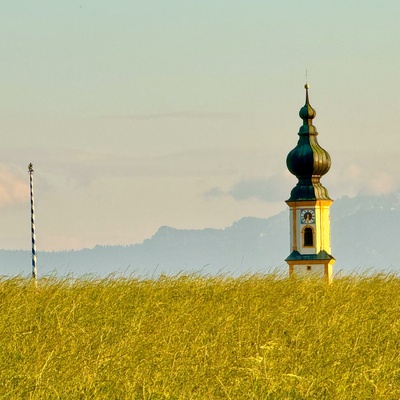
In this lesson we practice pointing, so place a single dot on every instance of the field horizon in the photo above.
(196, 337)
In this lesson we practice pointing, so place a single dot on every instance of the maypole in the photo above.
(34, 269)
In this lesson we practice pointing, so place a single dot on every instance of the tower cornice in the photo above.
(309, 203)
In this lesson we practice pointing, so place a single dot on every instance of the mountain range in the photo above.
(365, 236)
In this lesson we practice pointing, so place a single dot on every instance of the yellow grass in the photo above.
(192, 337)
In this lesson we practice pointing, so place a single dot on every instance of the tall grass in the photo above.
(192, 337)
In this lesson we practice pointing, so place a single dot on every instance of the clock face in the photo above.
(307, 216)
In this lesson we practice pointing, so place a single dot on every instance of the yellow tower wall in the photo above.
(320, 227)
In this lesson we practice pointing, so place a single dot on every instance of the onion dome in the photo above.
(308, 160)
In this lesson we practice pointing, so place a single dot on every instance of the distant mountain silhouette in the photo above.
(365, 235)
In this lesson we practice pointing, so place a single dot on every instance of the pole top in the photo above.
(30, 167)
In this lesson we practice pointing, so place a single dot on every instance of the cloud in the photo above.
(380, 184)
(13, 189)
(176, 115)
(264, 189)
(271, 189)
(215, 192)
(366, 173)
(78, 168)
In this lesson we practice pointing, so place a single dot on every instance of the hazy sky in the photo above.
(137, 114)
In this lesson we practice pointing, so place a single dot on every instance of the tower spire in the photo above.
(308, 161)
(309, 202)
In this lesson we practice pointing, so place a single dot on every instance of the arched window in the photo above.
(308, 237)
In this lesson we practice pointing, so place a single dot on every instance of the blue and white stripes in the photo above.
(34, 269)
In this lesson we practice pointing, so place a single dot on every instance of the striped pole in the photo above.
(34, 270)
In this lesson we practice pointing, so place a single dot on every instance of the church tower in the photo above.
(309, 203)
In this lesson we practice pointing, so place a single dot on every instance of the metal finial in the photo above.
(30, 167)
(307, 86)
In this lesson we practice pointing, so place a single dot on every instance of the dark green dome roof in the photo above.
(308, 160)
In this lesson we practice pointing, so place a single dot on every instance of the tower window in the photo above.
(308, 237)
(308, 267)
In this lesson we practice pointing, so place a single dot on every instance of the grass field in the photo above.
(192, 337)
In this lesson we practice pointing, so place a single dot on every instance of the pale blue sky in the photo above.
(138, 114)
